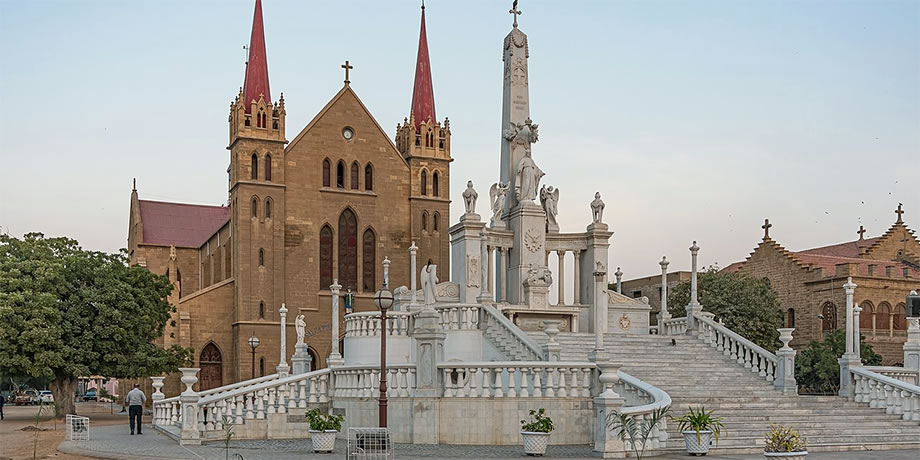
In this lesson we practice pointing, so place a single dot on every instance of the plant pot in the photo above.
(787, 455)
(323, 441)
(535, 443)
(700, 447)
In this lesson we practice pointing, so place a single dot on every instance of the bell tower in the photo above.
(425, 144)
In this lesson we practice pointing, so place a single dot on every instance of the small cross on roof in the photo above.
(766, 228)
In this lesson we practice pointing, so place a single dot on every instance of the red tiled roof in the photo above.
(848, 249)
(733, 268)
(180, 224)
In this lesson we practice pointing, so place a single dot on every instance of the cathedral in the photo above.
(305, 214)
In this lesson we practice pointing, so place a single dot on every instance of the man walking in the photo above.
(2, 402)
(136, 399)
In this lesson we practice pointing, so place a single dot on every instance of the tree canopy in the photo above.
(816, 367)
(746, 305)
(66, 313)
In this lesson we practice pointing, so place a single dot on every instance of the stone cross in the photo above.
(861, 231)
(899, 211)
(515, 11)
(766, 228)
(347, 67)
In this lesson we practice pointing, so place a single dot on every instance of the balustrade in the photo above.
(641, 400)
(675, 326)
(506, 335)
(898, 373)
(364, 382)
(459, 317)
(745, 352)
(883, 392)
(367, 324)
(517, 379)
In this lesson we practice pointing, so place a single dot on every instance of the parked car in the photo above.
(28, 398)
(46, 397)
(90, 395)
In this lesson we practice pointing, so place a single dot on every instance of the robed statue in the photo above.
(497, 195)
(549, 198)
(520, 137)
(469, 198)
(597, 208)
(300, 325)
(429, 283)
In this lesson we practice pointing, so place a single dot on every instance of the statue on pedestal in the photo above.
(549, 198)
(300, 325)
(527, 174)
(597, 208)
(469, 198)
(429, 283)
(497, 195)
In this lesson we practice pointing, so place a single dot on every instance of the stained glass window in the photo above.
(369, 258)
(325, 257)
(348, 250)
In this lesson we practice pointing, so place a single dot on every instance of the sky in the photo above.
(695, 120)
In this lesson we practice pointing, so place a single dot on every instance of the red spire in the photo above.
(423, 94)
(256, 81)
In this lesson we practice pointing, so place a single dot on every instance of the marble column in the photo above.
(283, 368)
(664, 314)
(561, 280)
(484, 269)
(849, 358)
(856, 311)
(577, 299)
(600, 314)
(491, 271)
(503, 275)
(912, 346)
(694, 306)
(335, 356)
(413, 273)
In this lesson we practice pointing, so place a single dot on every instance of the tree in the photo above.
(66, 313)
(747, 305)
(816, 367)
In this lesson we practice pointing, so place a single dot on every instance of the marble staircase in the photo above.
(694, 374)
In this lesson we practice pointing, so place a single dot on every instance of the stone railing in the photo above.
(459, 317)
(896, 372)
(641, 400)
(653, 330)
(674, 326)
(236, 386)
(364, 381)
(517, 379)
(745, 352)
(367, 324)
(883, 392)
(247, 402)
(495, 326)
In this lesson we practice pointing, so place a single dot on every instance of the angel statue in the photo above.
(497, 199)
(469, 198)
(549, 198)
(597, 208)
(429, 283)
(520, 137)
(299, 326)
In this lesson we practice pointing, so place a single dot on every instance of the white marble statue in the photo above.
(300, 325)
(527, 178)
(597, 208)
(549, 198)
(497, 195)
(535, 274)
(469, 198)
(429, 283)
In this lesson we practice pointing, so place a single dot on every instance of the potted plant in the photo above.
(784, 442)
(323, 429)
(535, 433)
(699, 427)
(635, 431)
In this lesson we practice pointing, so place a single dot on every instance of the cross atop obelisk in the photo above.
(347, 67)
(515, 11)
(766, 228)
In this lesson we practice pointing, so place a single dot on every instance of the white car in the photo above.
(46, 397)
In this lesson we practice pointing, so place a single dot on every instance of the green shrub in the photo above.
(783, 439)
(321, 422)
(539, 423)
(700, 420)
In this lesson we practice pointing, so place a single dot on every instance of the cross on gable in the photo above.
(347, 67)
(899, 211)
(766, 228)
(515, 11)
(861, 231)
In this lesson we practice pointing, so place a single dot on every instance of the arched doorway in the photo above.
(829, 317)
(211, 369)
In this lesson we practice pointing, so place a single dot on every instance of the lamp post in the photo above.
(253, 344)
(383, 299)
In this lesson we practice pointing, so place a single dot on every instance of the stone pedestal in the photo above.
(912, 346)
(606, 441)
(784, 380)
(429, 342)
(536, 293)
(551, 349)
(157, 386)
(846, 383)
(188, 400)
(598, 245)
(466, 256)
(301, 361)
(528, 222)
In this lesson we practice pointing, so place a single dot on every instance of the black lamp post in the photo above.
(383, 299)
(253, 343)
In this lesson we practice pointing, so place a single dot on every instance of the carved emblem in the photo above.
(624, 322)
(533, 241)
(472, 271)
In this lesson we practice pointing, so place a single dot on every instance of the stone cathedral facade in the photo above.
(327, 205)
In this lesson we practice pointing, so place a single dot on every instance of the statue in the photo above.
(429, 283)
(497, 199)
(597, 208)
(527, 177)
(520, 138)
(549, 198)
(469, 198)
(299, 326)
(539, 274)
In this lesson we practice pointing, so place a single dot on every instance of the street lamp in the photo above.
(383, 299)
(253, 343)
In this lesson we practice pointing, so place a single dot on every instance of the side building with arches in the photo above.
(326, 206)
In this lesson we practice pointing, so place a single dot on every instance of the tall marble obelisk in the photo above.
(515, 98)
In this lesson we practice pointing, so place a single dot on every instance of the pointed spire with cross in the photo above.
(861, 231)
(766, 228)
(347, 67)
(515, 11)
(899, 211)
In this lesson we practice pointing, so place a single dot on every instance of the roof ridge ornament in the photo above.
(899, 211)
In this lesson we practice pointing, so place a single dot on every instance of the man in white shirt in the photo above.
(136, 399)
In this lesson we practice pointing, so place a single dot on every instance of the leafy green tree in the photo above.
(66, 313)
(746, 305)
(816, 367)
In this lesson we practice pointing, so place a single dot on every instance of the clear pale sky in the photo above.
(695, 120)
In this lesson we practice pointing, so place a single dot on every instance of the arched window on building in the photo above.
(325, 257)
(354, 175)
(790, 317)
(829, 312)
(340, 174)
(261, 257)
(883, 318)
(268, 167)
(327, 173)
(369, 261)
(424, 184)
(899, 320)
(424, 221)
(268, 208)
(436, 222)
(254, 167)
(314, 358)
(261, 367)
(865, 317)
(348, 250)
(435, 189)
(255, 207)
(261, 310)
(368, 177)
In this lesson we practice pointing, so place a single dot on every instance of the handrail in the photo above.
(506, 323)
(883, 392)
(275, 383)
(659, 400)
(230, 387)
(367, 324)
(733, 345)
(911, 376)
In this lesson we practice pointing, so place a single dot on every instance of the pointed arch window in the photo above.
(369, 259)
(261, 367)
(829, 312)
(434, 184)
(261, 310)
(268, 208)
(268, 167)
(255, 207)
(368, 177)
(424, 184)
(790, 317)
(325, 257)
(210, 363)
(354, 175)
(254, 167)
(327, 173)
(436, 222)
(424, 221)
(340, 175)
(348, 250)
(261, 257)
